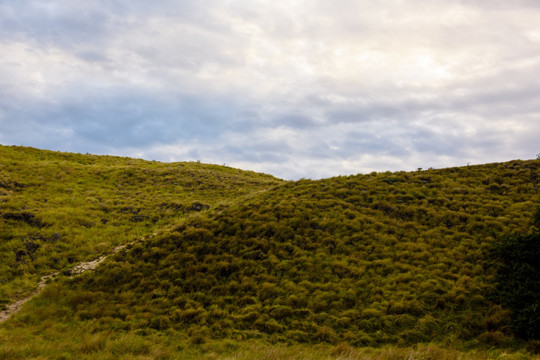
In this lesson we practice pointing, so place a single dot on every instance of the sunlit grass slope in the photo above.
(369, 260)
(57, 209)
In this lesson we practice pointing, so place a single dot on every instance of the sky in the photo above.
(296, 89)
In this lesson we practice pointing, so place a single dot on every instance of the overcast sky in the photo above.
(312, 88)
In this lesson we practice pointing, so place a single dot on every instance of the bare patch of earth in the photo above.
(79, 269)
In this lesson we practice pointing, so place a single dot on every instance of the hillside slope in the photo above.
(385, 258)
(57, 209)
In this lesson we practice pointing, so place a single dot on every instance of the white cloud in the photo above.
(298, 89)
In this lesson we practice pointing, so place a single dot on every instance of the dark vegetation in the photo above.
(518, 279)
(367, 260)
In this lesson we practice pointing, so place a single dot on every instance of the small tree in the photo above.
(518, 279)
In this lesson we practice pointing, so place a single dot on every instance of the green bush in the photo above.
(518, 283)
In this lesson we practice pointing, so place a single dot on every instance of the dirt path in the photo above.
(79, 269)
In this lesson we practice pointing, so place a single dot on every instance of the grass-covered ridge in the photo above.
(368, 260)
(57, 209)
(385, 258)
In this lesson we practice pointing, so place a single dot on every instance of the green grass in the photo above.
(110, 345)
(243, 265)
(57, 209)
(352, 259)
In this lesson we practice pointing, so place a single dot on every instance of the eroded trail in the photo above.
(79, 269)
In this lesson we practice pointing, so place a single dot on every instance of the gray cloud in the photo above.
(121, 119)
(293, 88)
(58, 23)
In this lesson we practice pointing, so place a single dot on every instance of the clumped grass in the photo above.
(105, 346)
(57, 209)
(351, 259)
(379, 266)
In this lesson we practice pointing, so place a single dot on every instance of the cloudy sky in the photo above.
(311, 88)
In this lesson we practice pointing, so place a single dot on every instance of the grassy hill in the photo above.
(272, 269)
(57, 209)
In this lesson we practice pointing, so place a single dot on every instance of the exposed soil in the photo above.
(79, 269)
(15, 306)
(91, 265)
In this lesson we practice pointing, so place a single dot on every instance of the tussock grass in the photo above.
(379, 266)
(130, 346)
(358, 259)
(57, 209)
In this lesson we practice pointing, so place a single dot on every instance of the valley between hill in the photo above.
(243, 265)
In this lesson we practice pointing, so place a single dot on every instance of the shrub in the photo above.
(517, 281)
